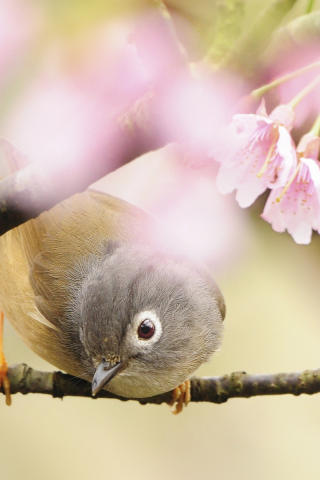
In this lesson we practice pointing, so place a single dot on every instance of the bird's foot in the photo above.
(4, 380)
(181, 396)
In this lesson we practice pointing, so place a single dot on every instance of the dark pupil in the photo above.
(146, 329)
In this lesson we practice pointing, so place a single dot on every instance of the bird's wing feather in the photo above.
(59, 243)
(38, 258)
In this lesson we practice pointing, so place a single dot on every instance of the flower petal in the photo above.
(247, 194)
(298, 210)
(309, 146)
(261, 110)
(255, 154)
(283, 114)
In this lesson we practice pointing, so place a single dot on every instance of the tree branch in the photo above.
(38, 187)
(24, 379)
(123, 137)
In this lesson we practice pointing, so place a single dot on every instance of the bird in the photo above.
(92, 288)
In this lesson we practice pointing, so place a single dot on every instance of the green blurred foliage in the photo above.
(229, 23)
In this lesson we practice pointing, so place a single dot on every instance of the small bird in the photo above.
(91, 288)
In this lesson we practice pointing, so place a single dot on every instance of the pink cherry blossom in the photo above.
(296, 207)
(257, 152)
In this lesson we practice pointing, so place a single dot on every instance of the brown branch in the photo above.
(38, 187)
(24, 379)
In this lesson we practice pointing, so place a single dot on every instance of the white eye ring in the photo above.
(153, 317)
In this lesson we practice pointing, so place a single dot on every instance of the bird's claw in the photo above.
(181, 396)
(4, 380)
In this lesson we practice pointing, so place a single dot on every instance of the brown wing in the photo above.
(38, 259)
(42, 258)
(58, 245)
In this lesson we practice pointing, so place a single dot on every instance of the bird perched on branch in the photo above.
(90, 288)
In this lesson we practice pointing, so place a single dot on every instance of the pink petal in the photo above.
(301, 232)
(284, 115)
(240, 168)
(234, 137)
(227, 179)
(309, 146)
(261, 110)
(248, 193)
(299, 209)
(272, 213)
(244, 150)
(289, 159)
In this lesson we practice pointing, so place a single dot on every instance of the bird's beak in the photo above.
(104, 373)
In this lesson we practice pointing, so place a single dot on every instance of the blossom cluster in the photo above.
(136, 75)
(258, 153)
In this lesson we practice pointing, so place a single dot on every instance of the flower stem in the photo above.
(286, 187)
(316, 126)
(270, 153)
(310, 6)
(259, 92)
(294, 102)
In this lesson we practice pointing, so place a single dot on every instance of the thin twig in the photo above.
(25, 380)
(38, 187)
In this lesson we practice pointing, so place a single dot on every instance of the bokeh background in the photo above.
(271, 287)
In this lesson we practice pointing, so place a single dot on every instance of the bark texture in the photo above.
(24, 379)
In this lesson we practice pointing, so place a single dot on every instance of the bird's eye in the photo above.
(146, 329)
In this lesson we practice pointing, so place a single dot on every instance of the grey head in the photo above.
(146, 320)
